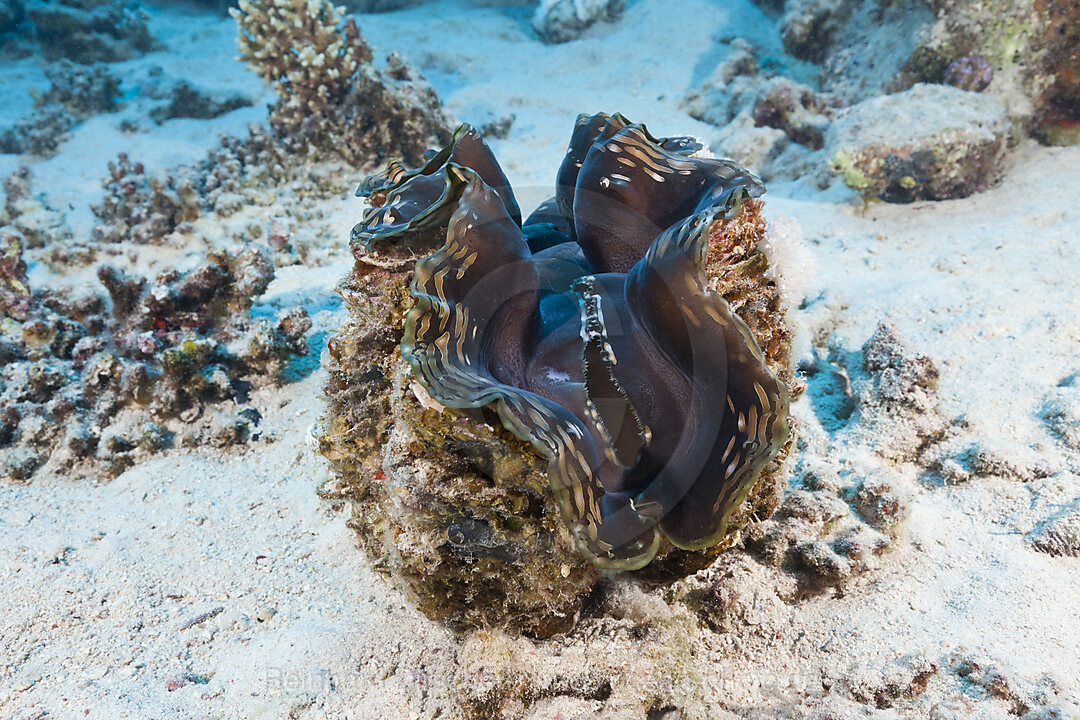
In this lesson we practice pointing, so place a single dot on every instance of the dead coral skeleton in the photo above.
(140, 207)
(188, 101)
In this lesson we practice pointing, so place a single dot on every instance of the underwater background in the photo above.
(223, 492)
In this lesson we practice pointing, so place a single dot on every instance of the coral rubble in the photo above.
(75, 93)
(884, 395)
(627, 667)
(801, 113)
(1061, 412)
(39, 133)
(82, 90)
(903, 147)
(831, 527)
(448, 499)
(142, 208)
(166, 347)
(187, 101)
(147, 208)
(838, 518)
(739, 91)
(898, 398)
(25, 214)
(1058, 536)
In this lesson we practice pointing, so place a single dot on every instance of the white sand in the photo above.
(97, 579)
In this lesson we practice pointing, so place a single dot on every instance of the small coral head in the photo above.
(590, 328)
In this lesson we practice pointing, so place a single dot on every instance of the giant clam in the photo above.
(516, 408)
(590, 327)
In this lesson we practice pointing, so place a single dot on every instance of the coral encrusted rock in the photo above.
(1027, 52)
(86, 31)
(559, 21)
(1024, 53)
(516, 406)
(329, 88)
(772, 124)
(931, 142)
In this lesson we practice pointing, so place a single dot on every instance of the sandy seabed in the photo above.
(206, 583)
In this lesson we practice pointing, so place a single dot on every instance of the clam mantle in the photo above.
(593, 340)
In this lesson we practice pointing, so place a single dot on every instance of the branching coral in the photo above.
(328, 87)
(304, 50)
(169, 346)
(589, 332)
